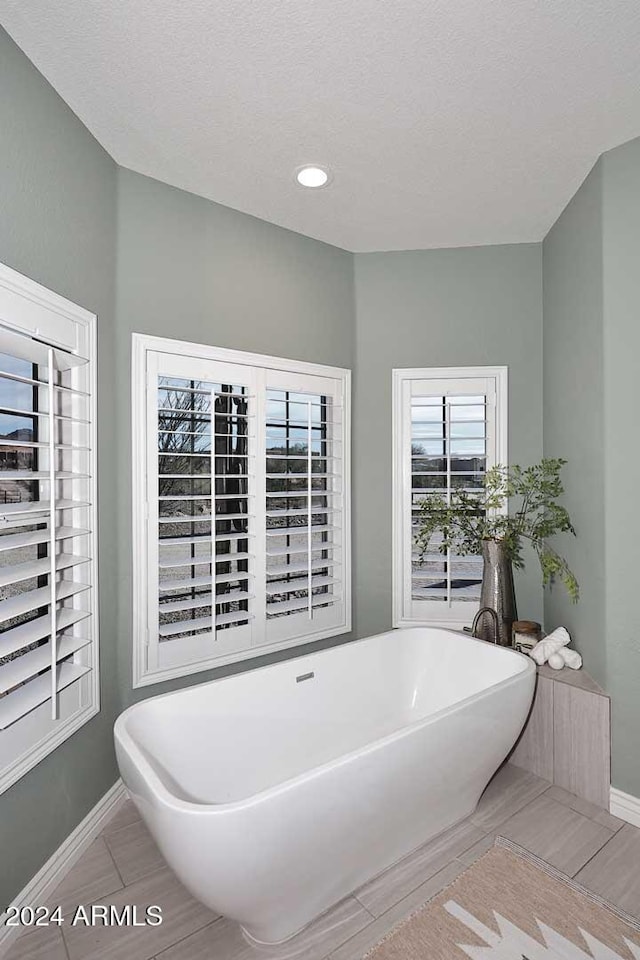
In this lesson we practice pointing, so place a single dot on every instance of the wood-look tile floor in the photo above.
(123, 866)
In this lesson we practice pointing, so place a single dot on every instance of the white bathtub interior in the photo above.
(228, 741)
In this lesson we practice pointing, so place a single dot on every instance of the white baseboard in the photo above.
(625, 806)
(42, 885)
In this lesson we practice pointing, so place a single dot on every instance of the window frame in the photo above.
(141, 346)
(29, 307)
(401, 476)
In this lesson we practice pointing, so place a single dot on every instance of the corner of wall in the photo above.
(57, 193)
(621, 454)
(573, 408)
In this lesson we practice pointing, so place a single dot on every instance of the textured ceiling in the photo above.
(444, 122)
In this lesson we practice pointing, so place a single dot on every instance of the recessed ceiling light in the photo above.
(311, 175)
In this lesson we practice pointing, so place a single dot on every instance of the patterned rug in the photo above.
(511, 906)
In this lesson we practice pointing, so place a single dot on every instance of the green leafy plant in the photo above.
(530, 494)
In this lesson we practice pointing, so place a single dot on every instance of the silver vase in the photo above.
(497, 592)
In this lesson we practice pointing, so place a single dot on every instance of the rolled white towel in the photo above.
(570, 658)
(560, 636)
(550, 645)
(556, 661)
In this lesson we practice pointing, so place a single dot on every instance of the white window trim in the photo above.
(26, 304)
(401, 484)
(140, 345)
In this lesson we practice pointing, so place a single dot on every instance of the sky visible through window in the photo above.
(14, 394)
(466, 422)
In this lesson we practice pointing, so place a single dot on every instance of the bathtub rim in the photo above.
(203, 808)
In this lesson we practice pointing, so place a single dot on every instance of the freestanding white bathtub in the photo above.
(276, 792)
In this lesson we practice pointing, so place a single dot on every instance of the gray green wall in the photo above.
(591, 370)
(57, 226)
(194, 270)
(574, 409)
(621, 321)
(470, 306)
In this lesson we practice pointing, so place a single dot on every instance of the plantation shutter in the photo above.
(47, 535)
(244, 526)
(200, 497)
(449, 439)
(305, 505)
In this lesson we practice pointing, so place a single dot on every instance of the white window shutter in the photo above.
(201, 498)
(41, 622)
(48, 556)
(306, 509)
(244, 525)
(449, 429)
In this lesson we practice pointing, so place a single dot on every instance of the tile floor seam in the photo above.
(614, 830)
(597, 853)
(100, 897)
(142, 876)
(477, 821)
(464, 849)
(64, 940)
(391, 919)
(612, 834)
(356, 897)
(593, 819)
(103, 896)
(113, 860)
(423, 878)
(354, 936)
(64, 944)
(461, 853)
(114, 833)
(129, 837)
(145, 876)
(608, 840)
(496, 829)
(171, 946)
(618, 829)
(389, 870)
(339, 946)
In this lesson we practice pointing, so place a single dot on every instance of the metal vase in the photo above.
(497, 592)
